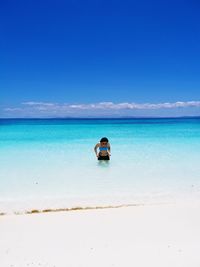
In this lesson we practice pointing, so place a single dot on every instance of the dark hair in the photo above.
(104, 139)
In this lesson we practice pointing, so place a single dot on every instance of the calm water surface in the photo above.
(50, 163)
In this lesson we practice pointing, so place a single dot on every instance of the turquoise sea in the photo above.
(50, 163)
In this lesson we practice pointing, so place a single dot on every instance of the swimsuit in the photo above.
(103, 157)
(103, 148)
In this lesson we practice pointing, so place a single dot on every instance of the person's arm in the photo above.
(95, 149)
(109, 149)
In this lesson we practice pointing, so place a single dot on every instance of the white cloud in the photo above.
(32, 103)
(13, 109)
(48, 109)
(120, 106)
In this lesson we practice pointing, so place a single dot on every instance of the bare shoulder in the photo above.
(108, 144)
(97, 145)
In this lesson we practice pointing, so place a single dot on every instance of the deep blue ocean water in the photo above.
(50, 163)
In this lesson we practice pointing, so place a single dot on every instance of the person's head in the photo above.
(104, 141)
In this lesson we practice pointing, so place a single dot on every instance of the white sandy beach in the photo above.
(154, 235)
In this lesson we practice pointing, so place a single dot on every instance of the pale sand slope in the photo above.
(157, 236)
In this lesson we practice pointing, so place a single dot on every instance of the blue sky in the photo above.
(84, 58)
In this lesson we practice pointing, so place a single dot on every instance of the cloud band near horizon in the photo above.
(33, 108)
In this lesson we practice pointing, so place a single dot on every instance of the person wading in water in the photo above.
(104, 149)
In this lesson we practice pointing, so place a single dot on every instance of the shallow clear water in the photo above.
(50, 163)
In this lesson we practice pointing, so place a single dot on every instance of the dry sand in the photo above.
(156, 235)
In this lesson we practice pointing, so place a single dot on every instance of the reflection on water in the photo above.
(103, 163)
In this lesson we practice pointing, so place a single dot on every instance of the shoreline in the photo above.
(48, 210)
(50, 205)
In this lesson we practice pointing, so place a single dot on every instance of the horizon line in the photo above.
(100, 118)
